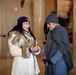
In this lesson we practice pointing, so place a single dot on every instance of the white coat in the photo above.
(23, 66)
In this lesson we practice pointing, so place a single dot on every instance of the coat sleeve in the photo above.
(14, 50)
(39, 50)
(56, 57)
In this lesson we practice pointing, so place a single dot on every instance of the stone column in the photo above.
(74, 36)
(3, 50)
(38, 20)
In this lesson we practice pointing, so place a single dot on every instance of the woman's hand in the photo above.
(34, 48)
(47, 64)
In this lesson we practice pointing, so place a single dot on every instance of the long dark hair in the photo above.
(19, 28)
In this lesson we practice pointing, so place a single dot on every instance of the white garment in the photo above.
(23, 66)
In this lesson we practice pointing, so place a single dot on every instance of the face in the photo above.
(26, 25)
(51, 25)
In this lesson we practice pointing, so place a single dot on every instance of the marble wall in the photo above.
(74, 32)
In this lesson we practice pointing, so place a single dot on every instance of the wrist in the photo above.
(30, 50)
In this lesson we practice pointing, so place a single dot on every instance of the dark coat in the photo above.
(57, 39)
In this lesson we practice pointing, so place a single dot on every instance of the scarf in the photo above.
(58, 39)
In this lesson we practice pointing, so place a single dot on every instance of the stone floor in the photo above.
(6, 64)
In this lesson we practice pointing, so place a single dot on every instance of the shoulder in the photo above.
(13, 33)
(62, 29)
(63, 32)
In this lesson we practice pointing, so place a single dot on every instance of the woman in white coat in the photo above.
(23, 48)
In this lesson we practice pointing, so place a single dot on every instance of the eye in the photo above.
(49, 24)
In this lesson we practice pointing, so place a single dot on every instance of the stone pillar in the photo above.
(38, 20)
(3, 50)
(74, 36)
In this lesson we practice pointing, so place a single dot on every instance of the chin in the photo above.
(51, 29)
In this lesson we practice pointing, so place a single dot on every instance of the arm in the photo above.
(38, 51)
(56, 57)
(35, 49)
(14, 49)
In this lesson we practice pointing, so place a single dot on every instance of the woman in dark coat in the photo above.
(57, 54)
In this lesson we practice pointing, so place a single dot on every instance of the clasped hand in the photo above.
(34, 48)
